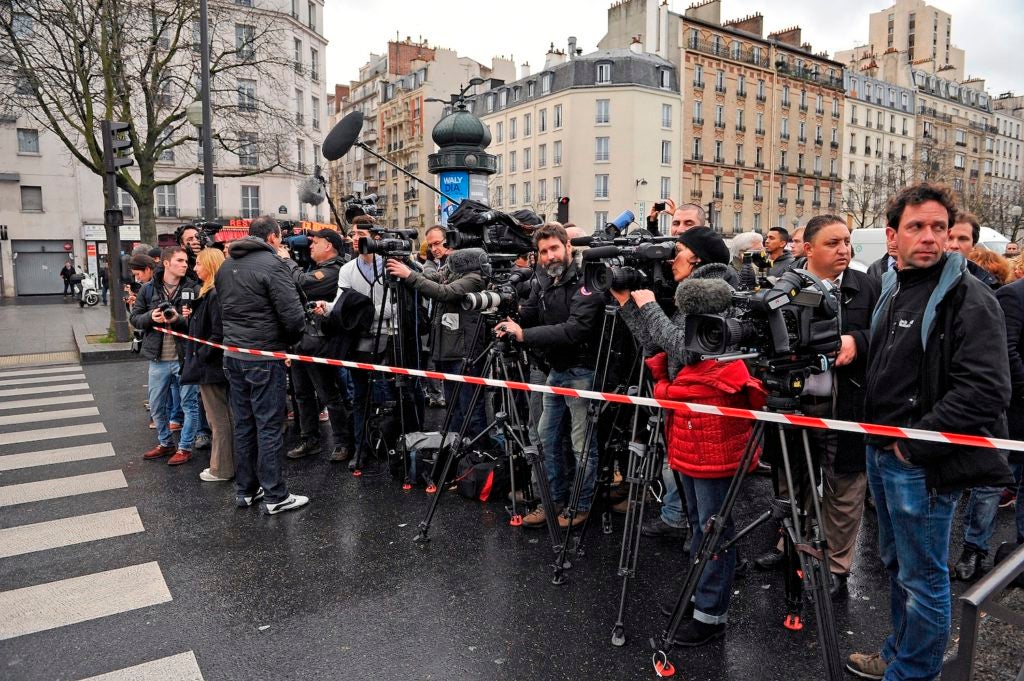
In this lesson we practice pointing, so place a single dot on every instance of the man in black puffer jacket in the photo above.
(261, 310)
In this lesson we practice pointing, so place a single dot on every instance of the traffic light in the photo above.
(116, 146)
(563, 209)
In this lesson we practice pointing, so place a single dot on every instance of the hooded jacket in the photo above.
(260, 305)
(204, 364)
(705, 445)
(945, 327)
(148, 299)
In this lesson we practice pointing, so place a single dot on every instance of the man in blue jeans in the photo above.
(926, 346)
(261, 310)
(561, 322)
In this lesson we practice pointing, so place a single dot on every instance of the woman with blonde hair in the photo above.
(204, 365)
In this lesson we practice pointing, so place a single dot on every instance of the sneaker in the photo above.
(158, 452)
(304, 448)
(695, 633)
(181, 456)
(867, 666)
(1007, 499)
(578, 519)
(340, 454)
(437, 403)
(969, 567)
(535, 518)
(174, 425)
(202, 441)
(152, 426)
(243, 501)
(207, 476)
(656, 527)
(293, 502)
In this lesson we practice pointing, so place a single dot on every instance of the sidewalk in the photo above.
(44, 325)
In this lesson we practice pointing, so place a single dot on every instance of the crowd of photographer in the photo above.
(918, 341)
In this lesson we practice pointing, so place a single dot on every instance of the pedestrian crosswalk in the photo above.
(58, 496)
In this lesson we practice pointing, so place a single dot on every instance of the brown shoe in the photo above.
(535, 518)
(181, 456)
(174, 425)
(578, 519)
(159, 452)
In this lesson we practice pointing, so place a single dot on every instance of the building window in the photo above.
(526, 192)
(247, 153)
(167, 201)
(32, 199)
(498, 195)
(698, 112)
(698, 75)
(542, 191)
(556, 156)
(558, 116)
(202, 200)
(600, 186)
(28, 141)
(557, 186)
(527, 125)
(600, 219)
(542, 120)
(604, 73)
(720, 81)
(497, 163)
(511, 195)
(666, 116)
(666, 152)
(314, 64)
(665, 189)
(499, 131)
(245, 35)
(665, 79)
(527, 161)
(250, 201)
(511, 129)
(314, 112)
(297, 44)
(511, 161)
(542, 156)
(696, 149)
(246, 95)
(603, 111)
(600, 149)
(300, 155)
(312, 15)
(531, 88)
(545, 83)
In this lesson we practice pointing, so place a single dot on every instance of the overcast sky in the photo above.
(990, 31)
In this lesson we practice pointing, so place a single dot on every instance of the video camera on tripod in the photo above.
(205, 231)
(393, 243)
(357, 205)
(475, 225)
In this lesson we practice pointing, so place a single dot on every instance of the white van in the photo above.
(992, 240)
(868, 244)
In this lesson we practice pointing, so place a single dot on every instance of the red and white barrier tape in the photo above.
(791, 419)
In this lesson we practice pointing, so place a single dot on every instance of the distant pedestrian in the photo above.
(66, 273)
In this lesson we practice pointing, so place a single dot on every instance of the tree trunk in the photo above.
(147, 218)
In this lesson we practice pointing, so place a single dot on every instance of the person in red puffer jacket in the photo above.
(705, 450)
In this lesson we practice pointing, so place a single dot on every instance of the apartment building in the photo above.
(1004, 146)
(52, 207)
(600, 129)
(763, 122)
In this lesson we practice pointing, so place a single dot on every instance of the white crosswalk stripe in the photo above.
(35, 406)
(181, 667)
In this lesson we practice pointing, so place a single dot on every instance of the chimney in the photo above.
(752, 23)
(524, 70)
(553, 58)
(635, 46)
(788, 36)
(572, 47)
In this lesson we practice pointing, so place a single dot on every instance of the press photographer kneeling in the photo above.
(560, 320)
(705, 450)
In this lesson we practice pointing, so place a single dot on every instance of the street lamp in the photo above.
(199, 113)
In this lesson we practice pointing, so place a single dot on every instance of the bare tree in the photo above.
(70, 64)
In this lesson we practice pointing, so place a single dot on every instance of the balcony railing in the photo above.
(741, 93)
(758, 131)
(718, 195)
(720, 89)
(784, 135)
(740, 127)
(720, 124)
(744, 54)
(783, 200)
(834, 144)
(698, 157)
(758, 197)
(762, 98)
(803, 108)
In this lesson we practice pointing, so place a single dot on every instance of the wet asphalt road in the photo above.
(338, 590)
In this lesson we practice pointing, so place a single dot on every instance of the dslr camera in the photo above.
(393, 243)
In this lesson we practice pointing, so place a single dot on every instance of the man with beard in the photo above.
(560, 323)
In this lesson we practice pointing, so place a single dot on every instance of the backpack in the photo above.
(483, 476)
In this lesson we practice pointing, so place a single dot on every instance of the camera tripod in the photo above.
(500, 357)
(805, 548)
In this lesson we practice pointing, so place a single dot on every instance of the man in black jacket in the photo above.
(159, 303)
(838, 393)
(963, 238)
(937, 361)
(261, 310)
(312, 381)
(561, 322)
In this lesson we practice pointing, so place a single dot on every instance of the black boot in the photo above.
(304, 448)
(969, 567)
(770, 560)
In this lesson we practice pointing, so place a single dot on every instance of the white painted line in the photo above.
(80, 599)
(43, 379)
(15, 541)
(45, 402)
(43, 389)
(47, 457)
(44, 416)
(180, 667)
(67, 369)
(19, 436)
(23, 493)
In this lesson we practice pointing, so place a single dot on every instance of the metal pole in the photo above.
(209, 212)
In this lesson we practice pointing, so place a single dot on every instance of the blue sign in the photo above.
(454, 183)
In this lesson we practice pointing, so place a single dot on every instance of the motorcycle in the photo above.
(85, 289)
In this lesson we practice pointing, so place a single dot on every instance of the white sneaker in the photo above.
(207, 476)
(293, 502)
(243, 501)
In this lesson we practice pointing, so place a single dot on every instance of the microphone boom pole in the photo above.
(406, 172)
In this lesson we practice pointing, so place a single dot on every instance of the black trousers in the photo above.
(312, 381)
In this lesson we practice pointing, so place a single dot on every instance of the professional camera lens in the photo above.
(603, 278)
(387, 247)
(483, 300)
(716, 334)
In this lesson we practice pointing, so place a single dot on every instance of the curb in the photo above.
(89, 353)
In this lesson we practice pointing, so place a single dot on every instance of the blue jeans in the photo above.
(258, 405)
(913, 541)
(190, 409)
(980, 516)
(174, 412)
(550, 433)
(704, 499)
(161, 376)
(671, 504)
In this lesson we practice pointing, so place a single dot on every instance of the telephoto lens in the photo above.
(482, 300)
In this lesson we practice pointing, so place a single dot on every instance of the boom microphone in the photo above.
(341, 138)
(311, 191)
(703, 296)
